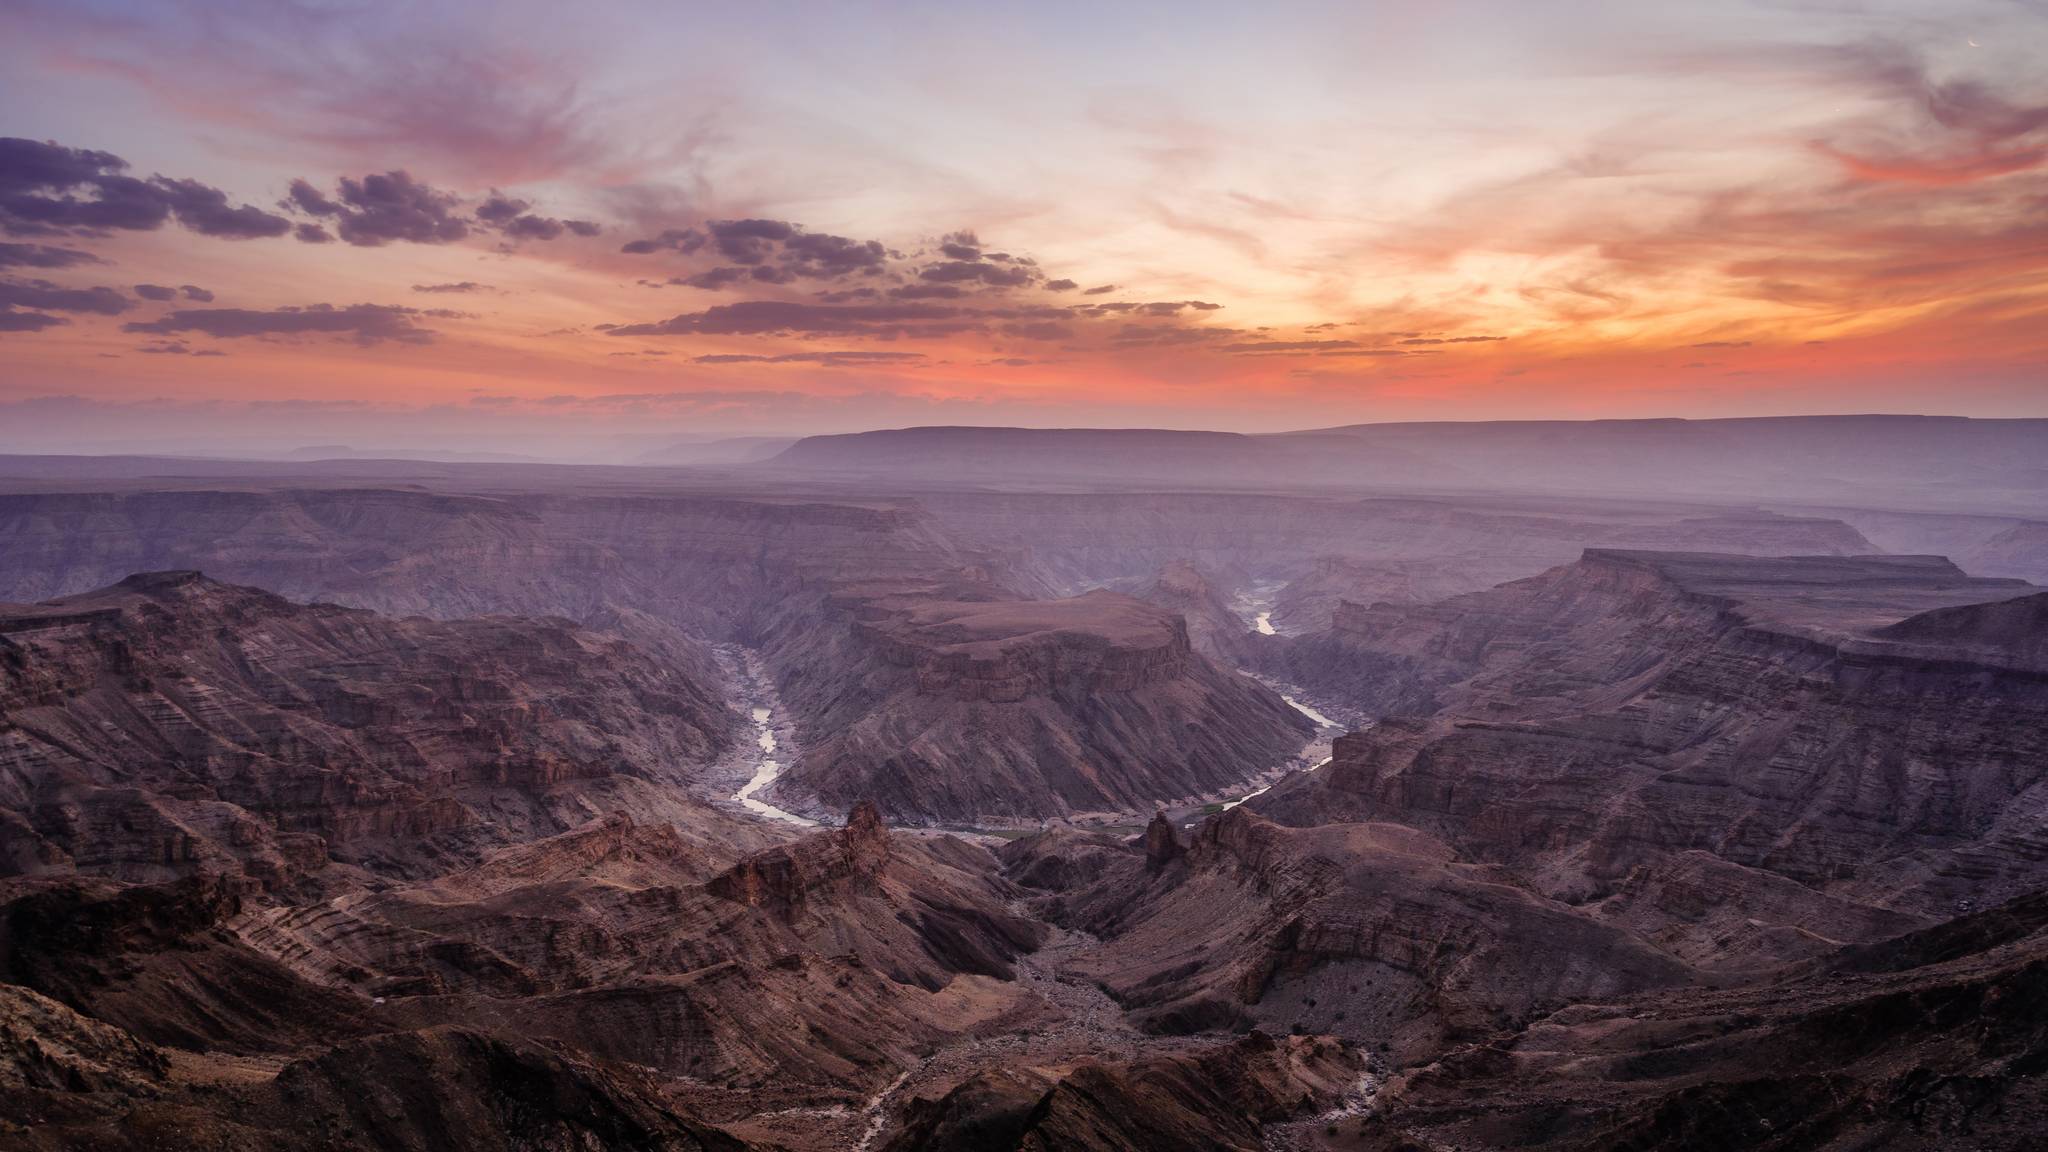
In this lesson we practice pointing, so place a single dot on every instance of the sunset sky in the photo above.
(582, 229)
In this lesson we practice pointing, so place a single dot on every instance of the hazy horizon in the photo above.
(463, 442)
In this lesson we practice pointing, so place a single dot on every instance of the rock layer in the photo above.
(945, 709)
(172, 725)
(1774, 714)
(1373, 932)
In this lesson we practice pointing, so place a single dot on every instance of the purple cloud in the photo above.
(1256, 347)
(959, 271)
(499, 210)
(47, 296)
(830, 359)
(383, 207)
(717, 278)
(512, 218)
(684, 240)
(12, 321)
(49, 189)
(364, 324)
(748, 241)
(820, 255)
(43, 256)
(763, 317)
(177, 348)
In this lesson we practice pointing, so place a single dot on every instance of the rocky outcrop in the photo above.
(85, 1086)
(172, 725)
(2011, 633)
(1213, 1099)
(947, 709)
(1162, 844)
(1473, 556)
(159, 963)
(782, 878)
(1377, 933)
(826, 962)
(452, 1088)
(1774, 713)
(1213, 628)
(46, 1047)
(1575, 625)
(1933, 1040)
(1005, 651)
(2019, 550)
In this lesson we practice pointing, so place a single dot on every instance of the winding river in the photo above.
(1255, 604)
(758, 697)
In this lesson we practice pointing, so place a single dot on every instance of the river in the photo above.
(1255, 604)
(757, 695)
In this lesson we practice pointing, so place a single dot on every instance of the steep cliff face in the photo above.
(783, 878)
(1009, 650)
(160, 964)
(1212, 1099)
(2007, 632)
(1771, 713)
(1373, 932)
(2020, 550)
(946, 709)
(1213, 628)
(826, 962)
(1560, 639)
(78, 1084)
(1577, 629)
(708, 563)
(172, 724)
(1936, 1040)
(1310, 601)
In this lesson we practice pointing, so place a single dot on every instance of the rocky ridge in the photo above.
(995, 710)
(1644, 723)
(172, 725)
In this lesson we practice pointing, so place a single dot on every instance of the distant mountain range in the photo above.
(1902, 461)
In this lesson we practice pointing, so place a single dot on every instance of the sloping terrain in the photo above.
(998, 710)
(1930, 1041)
(1214, 1099)
(172, 724)
(1375, 933)
(603, 988)
(1636, 731)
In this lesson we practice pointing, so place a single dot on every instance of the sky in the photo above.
(584, 231)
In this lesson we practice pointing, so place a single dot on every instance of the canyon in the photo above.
(1011, 789)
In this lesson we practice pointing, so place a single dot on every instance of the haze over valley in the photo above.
(1372, 577)
(885, 793)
